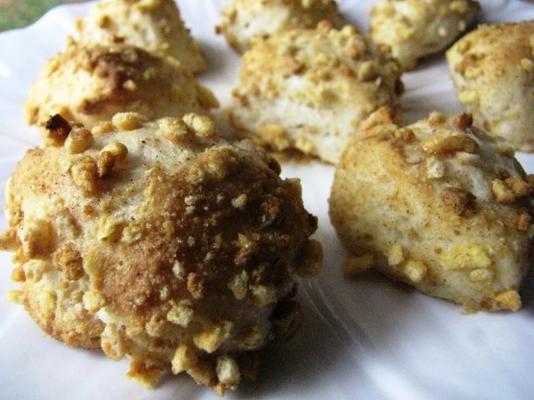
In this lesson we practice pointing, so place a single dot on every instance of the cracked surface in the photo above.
(437, 204)
(161, 243)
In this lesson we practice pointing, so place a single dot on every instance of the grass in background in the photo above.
(18, 13)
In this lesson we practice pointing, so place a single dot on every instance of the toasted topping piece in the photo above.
(69, 261)
(79, 140)
(446, 143)
(228, 372)
(185, 358)
(127, 121)
(462, 202)
(415, 271)
(56, 130)
(510, 299)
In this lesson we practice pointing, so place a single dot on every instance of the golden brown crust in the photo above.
(493, 72)
(155, 26)
(242, 20)
(430, 216)
(310, 89)
(90, 84)
(56, 307)
(180, 251)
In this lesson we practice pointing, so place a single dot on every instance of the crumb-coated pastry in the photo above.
(152, 25)
(91, 84)
(162, 243)
(244, 19)
(493, 71)
(412, 29)
(437, 204)
(309, 89)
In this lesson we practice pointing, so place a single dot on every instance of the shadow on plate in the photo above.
(527, 292)
(321, 351)
(216, 58)
(298, 365)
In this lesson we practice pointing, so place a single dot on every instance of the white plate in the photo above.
(366, 339)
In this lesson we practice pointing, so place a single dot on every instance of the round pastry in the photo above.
(411, 29)
(310, 89)
(493, 71)
(152, 25)
(160, 242)
(244, 19)
(90, 84)
(438, 205)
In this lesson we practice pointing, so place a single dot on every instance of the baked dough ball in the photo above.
(244, 19)
(152, 25)
(411, 29)
(90, 84)
(493, 71)
(162, 243)
(309, 89)
(438, 205)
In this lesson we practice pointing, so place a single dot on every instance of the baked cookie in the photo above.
(493, 71)
(412, 29)
(152, 25)
(161, 243)
(244, 19)
(438, 205)
(309, 89)
(91, 84)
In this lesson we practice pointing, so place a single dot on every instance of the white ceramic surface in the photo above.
(365, 339)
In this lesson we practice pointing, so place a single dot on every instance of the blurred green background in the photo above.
(19, 13)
